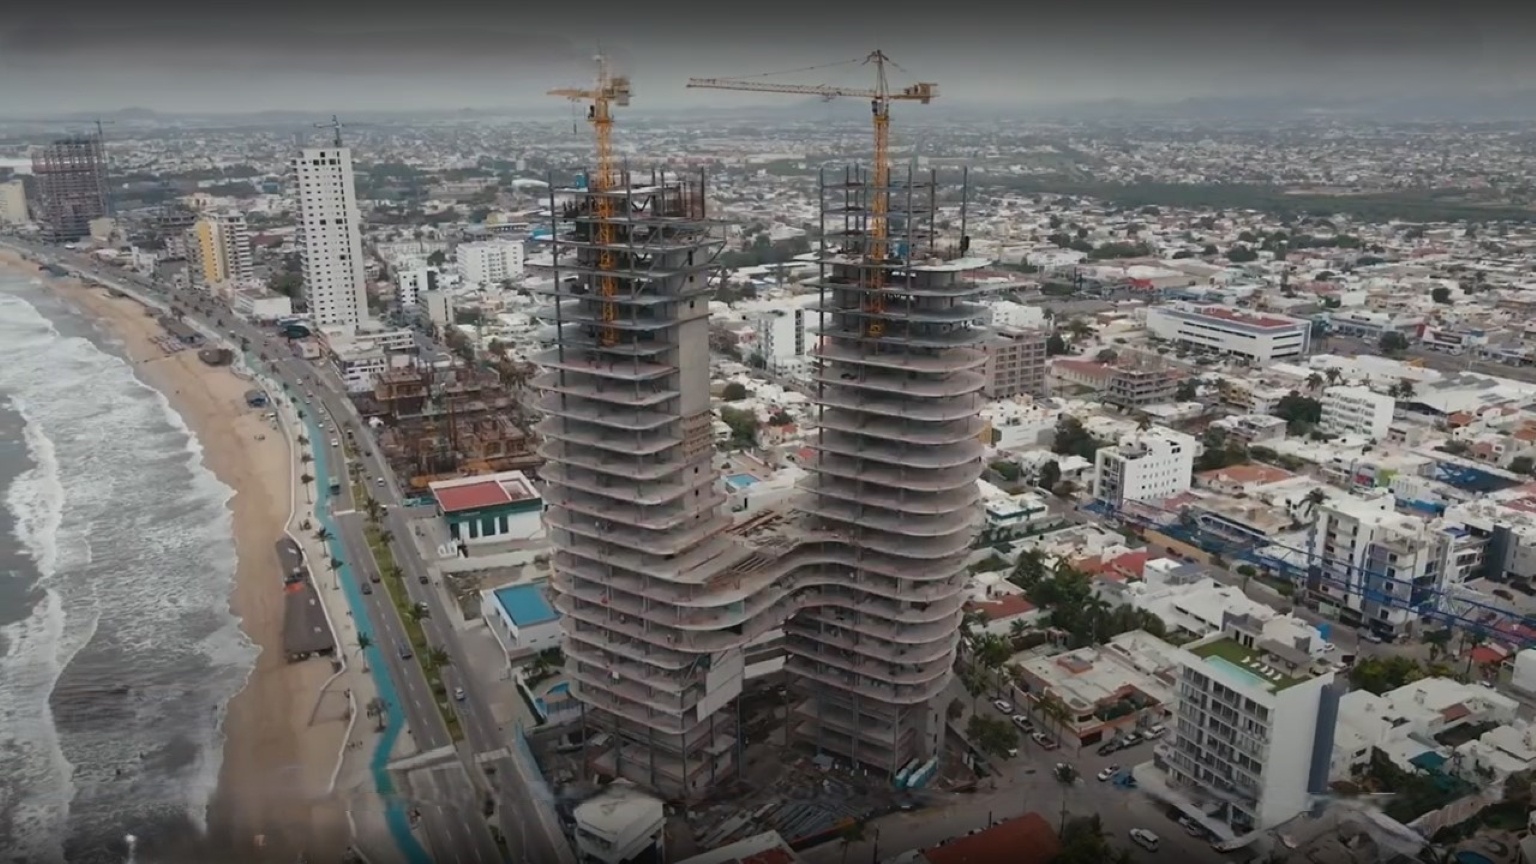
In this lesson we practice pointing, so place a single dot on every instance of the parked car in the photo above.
(1023, 722)
(1003, 705)
(1043, 740)
(405, 650)
(1144, 838)
(1108, 772)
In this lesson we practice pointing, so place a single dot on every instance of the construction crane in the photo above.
(880, 99)
(609, 91)
(335, 127)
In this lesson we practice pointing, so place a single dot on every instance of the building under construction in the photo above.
(442, 423)
(660, 593)
(71, 175)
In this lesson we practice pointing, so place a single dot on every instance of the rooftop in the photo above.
(305, 627)
(1250, 662)
(1028, 839)
(526, 604)
(765, 848)
(1267, 322)
(477, 493)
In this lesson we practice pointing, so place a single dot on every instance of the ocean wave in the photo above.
(145, 652)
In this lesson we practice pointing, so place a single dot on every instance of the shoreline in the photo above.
(279, 739)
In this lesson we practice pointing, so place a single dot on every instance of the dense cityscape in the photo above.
(1065, 491)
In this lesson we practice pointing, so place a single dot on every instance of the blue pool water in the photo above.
(739, 482)
(1467, 856)
(560, 689)
(396, 815)
(1239, 672)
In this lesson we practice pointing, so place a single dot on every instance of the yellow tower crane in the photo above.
(880, 99)
(609, 91)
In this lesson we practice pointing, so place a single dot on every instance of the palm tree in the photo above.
(1334, 374)
(305, 480)
(439, 657)
(1054, 711)
(1315, 382)
(417, 612)
(322, 534)
(364, 642)
(386, 537)
(1030, 568)
(1143, 422)
(379, 710)
(1065, 775)
(303, 440)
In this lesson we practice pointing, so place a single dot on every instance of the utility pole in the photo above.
(335, 127)
(106, 166)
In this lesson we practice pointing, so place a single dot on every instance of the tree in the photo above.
(1107, 355)
(1392, 343)
(992, 734)
(438, 657)
(1050, 474)
(364, 642)
(1333, 374)
(853, 833)
(1241, 254)
(1055, 346)
(1072, 439)
(1189, 390)
(379, 710)
(1441, 294)
(735, 392)
(437, 259)
(1381, 674)
(1079, 329)
(1522, 465)
(743, 426)
(1315, 381)
(322, 534)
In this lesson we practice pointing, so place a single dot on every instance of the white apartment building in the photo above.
(13, 203)
(1260, 338)
(781, 340)
(1149, 465)
(1383, 569)
(488, 263)
(439, 307)
(1357, 411)
(1007, 314)
(331, 237)
(411, 284)
(1253, 727)
(619, 824)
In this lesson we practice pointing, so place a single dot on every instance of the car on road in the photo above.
(367, 587)
(1144, 838)
(1003, 705)
(335, 443)
(405, 650)
(1191, 827)
(1157, 731)
(374, 576)
(1108, 772)
(379, 481)
(1043, 740)
(458, 694)
(1022, 722)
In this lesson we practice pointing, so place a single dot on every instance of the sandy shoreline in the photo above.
(277, 762)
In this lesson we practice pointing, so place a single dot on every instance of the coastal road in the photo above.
(450, 811)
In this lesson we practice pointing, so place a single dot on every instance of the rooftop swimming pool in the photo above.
(738, 482)
(1232, 669)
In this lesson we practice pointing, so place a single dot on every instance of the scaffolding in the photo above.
(444, 423)
(659, 593)
(71, 176)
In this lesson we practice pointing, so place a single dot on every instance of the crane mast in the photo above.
(877, 231)
(610, 91)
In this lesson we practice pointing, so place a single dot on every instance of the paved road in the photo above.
(450, 810)
(1028, 784)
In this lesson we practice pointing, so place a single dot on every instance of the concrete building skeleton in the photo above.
(658, 590)
(71, 175)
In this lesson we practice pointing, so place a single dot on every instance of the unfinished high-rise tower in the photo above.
(660, 592)
(71, 176)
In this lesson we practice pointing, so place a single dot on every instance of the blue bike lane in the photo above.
(397, 813)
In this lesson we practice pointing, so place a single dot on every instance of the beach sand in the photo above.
(281, 737)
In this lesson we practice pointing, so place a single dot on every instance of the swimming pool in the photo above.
(738, 482)
(1467, 856)
(559, 689)
(1232, 669)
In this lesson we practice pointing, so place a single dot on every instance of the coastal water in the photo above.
(118, 651)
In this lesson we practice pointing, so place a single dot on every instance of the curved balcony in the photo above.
(902, 502)
(962, 475)
(951, 385)
(964, 451)
(941, 524)
(627, 488)
(660, 535)
(597, 387)
(918, 433)
(572, 430)
(598, 414)
(640, 467)
(585, 339)
(906, 308)
(901, 359)
(951, 408)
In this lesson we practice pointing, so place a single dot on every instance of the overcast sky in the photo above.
(179, 56)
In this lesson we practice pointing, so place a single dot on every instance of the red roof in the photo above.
(776, 855)
(1237, 317)
(1028, 839)
(471, 496)
(1005, 607)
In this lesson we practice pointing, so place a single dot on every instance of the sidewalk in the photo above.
(352, 781)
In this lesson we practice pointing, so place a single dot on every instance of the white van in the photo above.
(1144, 838)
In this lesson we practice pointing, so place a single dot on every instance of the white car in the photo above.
(1144, 838)
(1003, 705)
(1108, 772)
